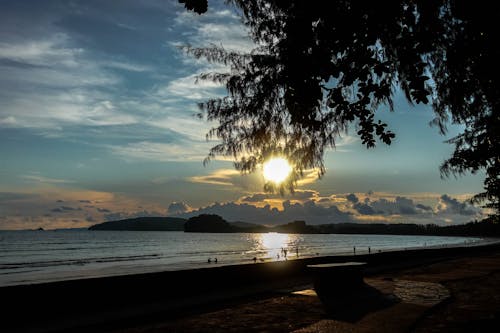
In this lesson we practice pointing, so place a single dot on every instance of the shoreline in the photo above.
(131, 299)
(148, 267)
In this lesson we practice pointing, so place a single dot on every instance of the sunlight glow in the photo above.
(277, 169)
(273, 243)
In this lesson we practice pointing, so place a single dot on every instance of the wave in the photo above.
(80, 261)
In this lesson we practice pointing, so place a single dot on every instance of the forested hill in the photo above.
(143, 224)
(215, 223)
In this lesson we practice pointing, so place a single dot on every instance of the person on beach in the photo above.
(254, 260)
(354, 249)
(209, 260)
(215, 260)
(297, 251)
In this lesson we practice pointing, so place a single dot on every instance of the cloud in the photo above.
(190, 88)
(364, 209)
(157, 151)
(33, 209)
(57, 81)
(424, 207)
(310, 176)
(64, 209)
(176, 208)
(299, 195)
(252, 182)
(308, 211)
(114, 216)
(127, 66)
(46, 180)
(257, 197)
(397, 206)
(400, 205)
(220, 27)
(222, 177)
(352, 198)
(449, 205)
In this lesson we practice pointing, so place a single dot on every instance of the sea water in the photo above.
(43, 256)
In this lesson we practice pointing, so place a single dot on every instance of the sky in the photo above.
(97, 123)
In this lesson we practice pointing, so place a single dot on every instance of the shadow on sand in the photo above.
(351, 305)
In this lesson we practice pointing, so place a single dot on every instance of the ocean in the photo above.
(42, 256)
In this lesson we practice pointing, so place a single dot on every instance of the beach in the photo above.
(448, 289)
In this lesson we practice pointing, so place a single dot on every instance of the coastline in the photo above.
(131, 255)
(130, 300)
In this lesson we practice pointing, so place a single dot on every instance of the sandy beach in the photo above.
(436, 290)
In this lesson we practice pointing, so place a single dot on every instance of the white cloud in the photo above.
(310, 176)
(191, 127)
(222, 177)
(127, 66)
(49, 84)
(9, 121)
(176, 208)
(47, 180)
(156, 151)
(189, 88)
(449, 205)
(221, 28)
(59, 109)
(47, 52)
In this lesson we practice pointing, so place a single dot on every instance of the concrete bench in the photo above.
(333, 281)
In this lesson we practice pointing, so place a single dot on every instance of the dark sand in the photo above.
(445, 290)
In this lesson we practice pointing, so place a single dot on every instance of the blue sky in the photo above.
(97, 122)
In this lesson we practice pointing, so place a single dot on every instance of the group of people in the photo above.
(284, 254)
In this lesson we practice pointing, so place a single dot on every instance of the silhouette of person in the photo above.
(354, 249)
(297, 251)
(209, 260)
(369, 250)
(215, 260)
(254, 259)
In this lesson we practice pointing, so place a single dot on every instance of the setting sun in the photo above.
(276, 169)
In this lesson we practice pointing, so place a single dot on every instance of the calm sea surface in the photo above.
(41, 256)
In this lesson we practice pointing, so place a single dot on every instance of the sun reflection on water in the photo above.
(274, 246)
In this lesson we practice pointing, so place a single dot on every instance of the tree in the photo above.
(322, 65)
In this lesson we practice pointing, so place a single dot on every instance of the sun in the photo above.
(276, 169)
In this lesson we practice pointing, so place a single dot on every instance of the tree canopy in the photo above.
(320, 66)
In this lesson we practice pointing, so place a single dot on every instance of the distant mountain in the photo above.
(214, 223)
(243, 225)
(143, 224)
(240, 226)
(295, 227)
(209, 223)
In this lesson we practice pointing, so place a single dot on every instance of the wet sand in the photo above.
(426, 290)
